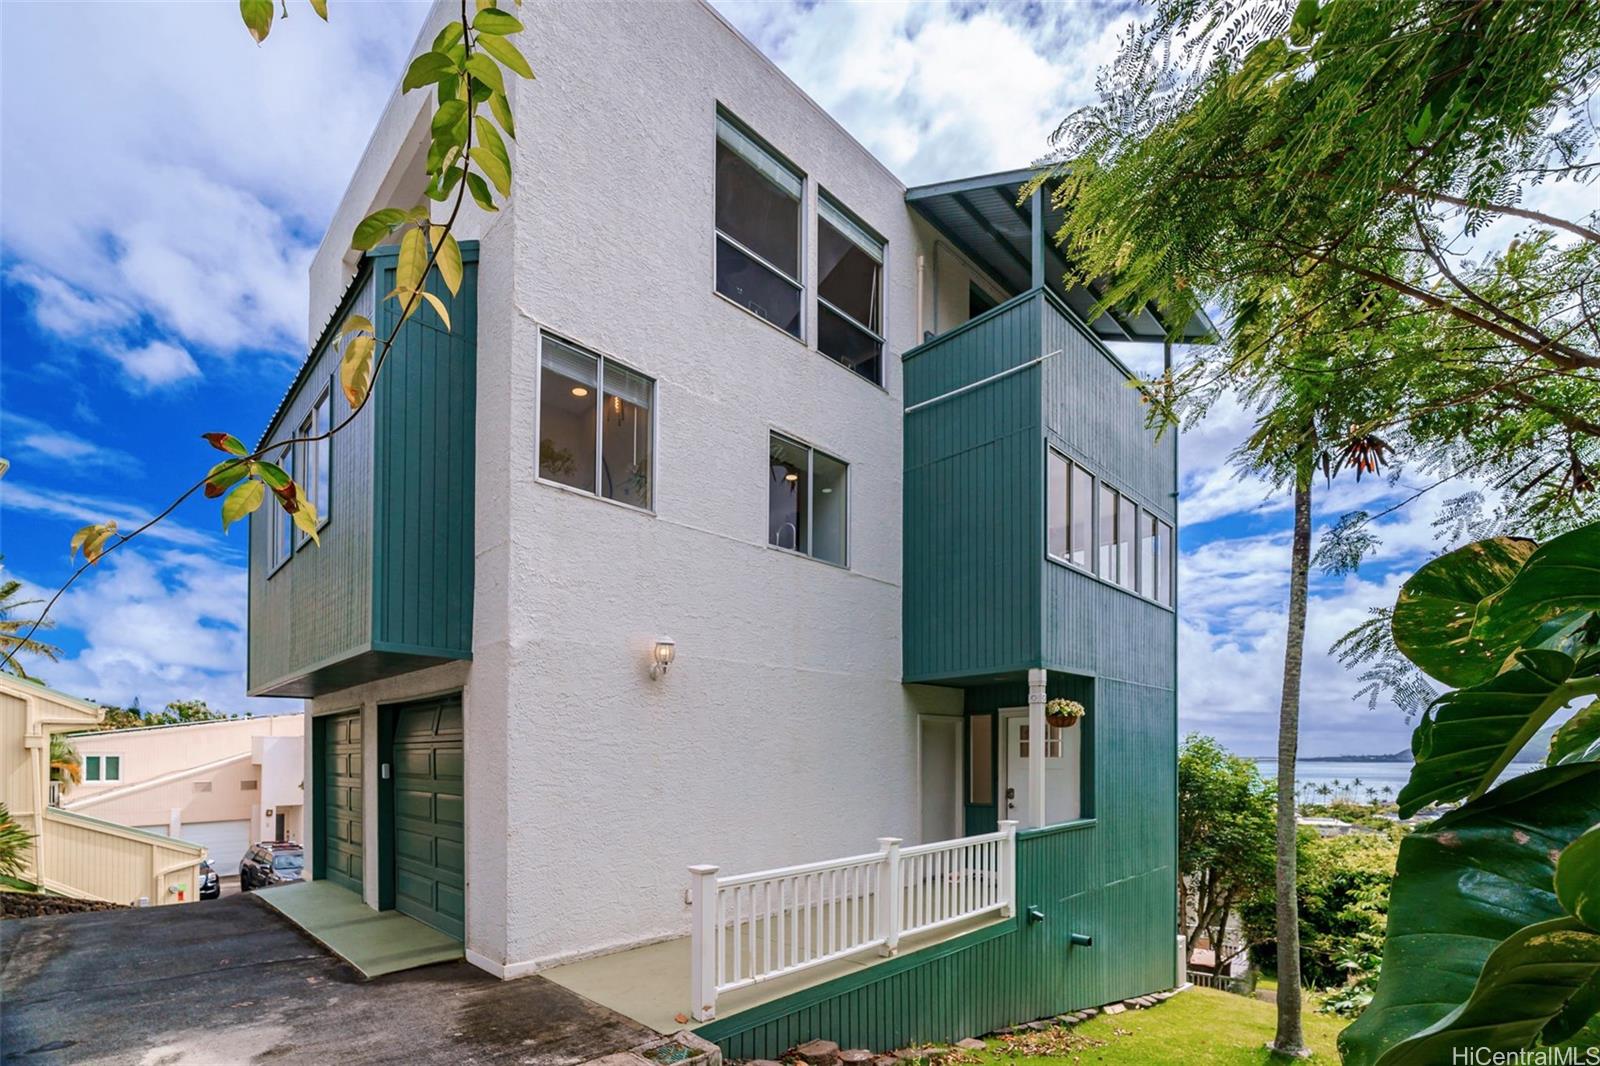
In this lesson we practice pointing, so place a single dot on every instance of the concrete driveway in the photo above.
(229, 981)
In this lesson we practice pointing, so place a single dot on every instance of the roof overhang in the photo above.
(985, 218)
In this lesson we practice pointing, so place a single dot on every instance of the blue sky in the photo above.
(159, 208)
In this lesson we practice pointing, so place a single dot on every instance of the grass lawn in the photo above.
(1200, 1027)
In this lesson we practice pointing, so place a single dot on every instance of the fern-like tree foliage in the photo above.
(1321, 169)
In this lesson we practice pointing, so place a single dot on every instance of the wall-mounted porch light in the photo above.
(661, 655)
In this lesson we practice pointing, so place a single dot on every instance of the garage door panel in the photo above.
(429, 814)
(341, 798)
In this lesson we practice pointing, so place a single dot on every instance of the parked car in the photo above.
(272, 862)
(210, 883)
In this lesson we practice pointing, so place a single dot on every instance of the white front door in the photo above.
(1016, 782)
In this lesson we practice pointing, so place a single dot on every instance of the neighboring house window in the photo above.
(1164, 561)
(596, 432)
(102, 768)
(282, 535)
(849, 291)
(758, 228)
(807, 501)
(1070, 502)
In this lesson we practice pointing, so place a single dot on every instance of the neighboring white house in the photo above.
(747, 514)
(224, 785)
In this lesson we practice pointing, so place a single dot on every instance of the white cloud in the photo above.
(939, 91)
(155, 364)
(29, 441)
(158, 627)
(182, 175)
(77, 507)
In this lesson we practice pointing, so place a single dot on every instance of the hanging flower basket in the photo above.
(1063, 713)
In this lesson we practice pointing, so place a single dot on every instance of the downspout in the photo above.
(1182, 961)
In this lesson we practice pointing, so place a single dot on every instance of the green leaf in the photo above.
(439, 188)
(241, 501)
(1582, 1006)
(1437, 608)
(226, 473)
(275, 476)
(1463, 885)
(448, 260)
(450, 122)
(257, 15)
(495, 22)
(500, 107)
(305, 519)
(484, 69)
(507, 54)
(413, 260)
(226, 442)
(1526, 983)
(321, 8)
(376, 226)
(1578, 878)
(437, 305)
(1578, 739)
(480, 191)
(1470, 735)
(355, 369)
(494, 168)
(1560, 578)
(426, 69)
(448, 36)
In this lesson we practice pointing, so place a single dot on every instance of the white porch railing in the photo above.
(759, 926)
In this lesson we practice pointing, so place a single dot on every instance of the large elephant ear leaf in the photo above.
(1470, 735)
(1438, 610)
(1578, 739)
(1561, 578)
(1440, 936)
(1526, 983)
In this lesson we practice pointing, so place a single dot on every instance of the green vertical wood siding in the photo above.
(390, 588)
(317, 607)
(423, 444)
(971, 539)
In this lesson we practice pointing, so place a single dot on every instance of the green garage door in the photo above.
(341, 799)
(429, 858)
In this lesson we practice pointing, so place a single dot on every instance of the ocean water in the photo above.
(1341, 778)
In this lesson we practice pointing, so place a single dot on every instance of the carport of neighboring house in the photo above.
(415, 914)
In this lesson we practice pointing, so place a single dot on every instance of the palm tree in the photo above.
(1372, 796)
(1324, 791)
(11, 629)
(66, 765)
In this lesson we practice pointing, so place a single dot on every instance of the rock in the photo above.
(1132, 1004)
(1114, 1008)
(885, 1060)
(972, 1043)
(1067, 1019)
(818, 1052)
(1089, 1012)
(856, 1057)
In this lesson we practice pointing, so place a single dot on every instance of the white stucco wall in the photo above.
(782, 733)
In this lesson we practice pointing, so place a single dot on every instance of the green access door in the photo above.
(429, 857)
(340, 842)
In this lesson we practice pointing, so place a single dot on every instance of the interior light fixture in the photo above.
(791, 476)
(579, 390)
(662, 653)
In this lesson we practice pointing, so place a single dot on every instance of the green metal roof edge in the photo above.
(469, 254)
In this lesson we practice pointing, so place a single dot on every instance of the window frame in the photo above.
(880, 296)
(280, 520)
(601, 360)
(101, 765)
(811, 504)
(1097, 488)
(803, 251)
(310, 463)
(1053, 454)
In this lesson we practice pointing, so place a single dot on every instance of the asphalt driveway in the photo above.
(230, 981)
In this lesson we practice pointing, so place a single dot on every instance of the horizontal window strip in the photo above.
(765, 163)
(849, 228)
